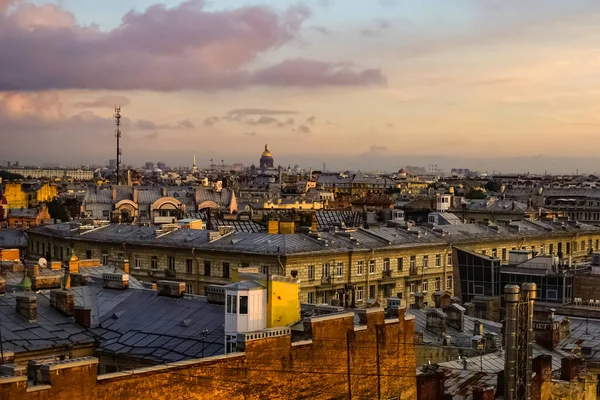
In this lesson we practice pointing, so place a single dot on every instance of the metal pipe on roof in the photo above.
(511, 298)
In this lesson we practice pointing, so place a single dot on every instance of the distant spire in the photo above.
(266, 147)
(194, 160)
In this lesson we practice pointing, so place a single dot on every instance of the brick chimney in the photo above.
(33, 270)
(430, 384)
(27, 306)
(63, 301)
(570, 368)
(542, 366)
(115, 281)
(79, 279)
(83, 316)
(442, 299)
(485, 393)
(419, 304)
(170, 288)
(74, 264)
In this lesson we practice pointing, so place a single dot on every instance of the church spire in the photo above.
(266, 147)
(194, 160)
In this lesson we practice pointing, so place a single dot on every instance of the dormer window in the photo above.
(232, 304)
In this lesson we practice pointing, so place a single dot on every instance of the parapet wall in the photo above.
(369, 361)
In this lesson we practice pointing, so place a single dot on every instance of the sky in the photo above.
(491, 85)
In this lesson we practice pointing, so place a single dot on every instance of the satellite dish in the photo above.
(42, 262)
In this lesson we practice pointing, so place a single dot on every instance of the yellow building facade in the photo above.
(17, 196)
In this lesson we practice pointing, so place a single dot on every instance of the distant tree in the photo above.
(9, 176)
(493, 186)
(58, 210)
(475, 194)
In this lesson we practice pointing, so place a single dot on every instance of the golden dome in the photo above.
(266, 153)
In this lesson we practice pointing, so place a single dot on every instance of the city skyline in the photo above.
(475, 84)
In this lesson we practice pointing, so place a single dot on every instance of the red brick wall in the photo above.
(269, 368)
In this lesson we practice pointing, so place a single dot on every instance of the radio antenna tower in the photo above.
(117, 117)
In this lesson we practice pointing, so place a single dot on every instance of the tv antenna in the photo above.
(117, 116)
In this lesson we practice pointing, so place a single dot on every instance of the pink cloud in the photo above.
(184, 47)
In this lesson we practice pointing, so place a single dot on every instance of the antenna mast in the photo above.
(117, 117)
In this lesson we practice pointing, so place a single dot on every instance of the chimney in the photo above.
(551, 314)
(63, 301)
(78, 279)
(114, 193)
(163, 191)
(135, 195)
(170, 288)
(570, 368)
(500, 384)
(430, 384)
(27, 306)
(74, 264)
(33, 270)
(83, 316)
(478, 328)
(542, 366)
(115, 280)
(485, 393)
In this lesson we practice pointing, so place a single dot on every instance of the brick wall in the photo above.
(321, 368)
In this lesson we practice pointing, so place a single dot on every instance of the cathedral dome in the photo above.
(266, 159)
(266, 153)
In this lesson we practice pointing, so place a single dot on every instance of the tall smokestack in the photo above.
(511, 299)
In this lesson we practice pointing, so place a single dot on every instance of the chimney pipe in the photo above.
(511, 298)
(27, 306)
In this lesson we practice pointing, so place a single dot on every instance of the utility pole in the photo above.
(117, 117)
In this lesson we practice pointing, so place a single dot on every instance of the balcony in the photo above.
(170, 273)
(387, 275)
(326, 280)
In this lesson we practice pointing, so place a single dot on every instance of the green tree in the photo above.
(475, 194)
(493, 186)
(9, 176)
(58, 210)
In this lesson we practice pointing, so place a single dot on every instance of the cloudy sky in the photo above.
(372, 84)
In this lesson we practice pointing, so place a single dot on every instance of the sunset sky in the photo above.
(372, 84)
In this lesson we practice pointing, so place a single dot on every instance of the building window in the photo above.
(244, 305)
(137, 263)
(154, 263)
(386, 264)
(574, 247)
(413, 262)
(360, 268)
(583, 245)
(484, 252)
(311, 298)
(450, 259)
(425, 261)
(438, 260)
(494, 253)
(311, 273)
(245, 265)
(551, 250)
(206, 268)
(597, 244)
(225, 270)
(400, 264)
(503, 254)
(359, 293)
(372, 267)
(372, 291)
(104, 257)
(105, 213)
(171, 263)
(551, 294)
(425, 285)
(189, 266)
(189, 289)
(437, 283)
(412, 288)
(28, 224)
(264, 269)
(325, 270)
(449, 283)
(88, 254)
(339, 269)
